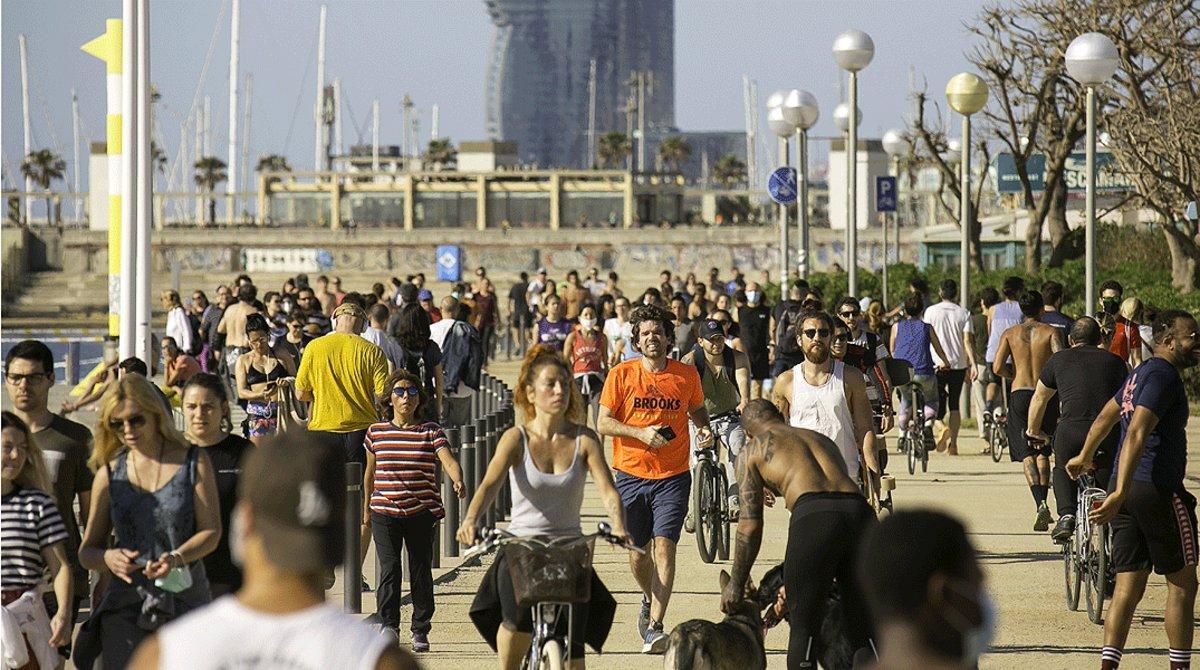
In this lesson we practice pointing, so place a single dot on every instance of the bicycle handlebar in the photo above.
(490, 539)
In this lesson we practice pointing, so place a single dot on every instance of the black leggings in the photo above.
(823, 538)
(1068, 442)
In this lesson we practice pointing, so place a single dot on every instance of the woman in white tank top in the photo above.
(547, 461)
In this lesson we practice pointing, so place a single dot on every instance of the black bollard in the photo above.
(467, 461)
(351, 565)
(450, 501)
(481, 463)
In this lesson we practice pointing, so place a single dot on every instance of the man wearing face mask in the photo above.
(287, 532)
(1127, 339)
(1153, 516)
(754, 321)
(825, 395)
(924, 588)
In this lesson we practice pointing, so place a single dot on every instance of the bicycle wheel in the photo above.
(702, 510)
(722, 497)
(911, 450)
(551, 657)
(1072, 577)
(1097, 573)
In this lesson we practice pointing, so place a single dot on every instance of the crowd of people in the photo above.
(795, 398)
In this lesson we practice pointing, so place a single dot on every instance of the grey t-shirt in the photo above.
(66, 447)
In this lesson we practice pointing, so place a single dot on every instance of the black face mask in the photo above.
(1110, 305)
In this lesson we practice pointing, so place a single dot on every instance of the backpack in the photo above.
(727, 360)
(786, 333)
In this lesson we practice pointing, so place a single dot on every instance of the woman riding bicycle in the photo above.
(911, 340)
(547, 460)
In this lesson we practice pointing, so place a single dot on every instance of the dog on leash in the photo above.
(735, 643)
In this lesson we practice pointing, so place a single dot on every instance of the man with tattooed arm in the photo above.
(829, 515)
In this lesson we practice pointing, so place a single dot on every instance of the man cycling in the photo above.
(725, 377)
(874, 351)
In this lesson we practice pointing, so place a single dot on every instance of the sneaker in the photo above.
(420, 641)
(735, 506)
(927, 434)
(1064, 529)
(689, 523)
(655, 640)
(1042, 523)
(643, 621)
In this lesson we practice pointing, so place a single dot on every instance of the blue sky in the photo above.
(437, 51)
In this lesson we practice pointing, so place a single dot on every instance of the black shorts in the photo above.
(949, 383)
(760, 366)
(520, 618)
(349, 445)
(1018, 421)
(1155, 528)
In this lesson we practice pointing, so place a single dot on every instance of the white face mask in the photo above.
(976, 639)
(752, 297)
(587, 324)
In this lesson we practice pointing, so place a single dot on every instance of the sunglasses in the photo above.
(848, 313)
(135, 421)
(815, 333)
(406, 390)
(16, 379)
(841, 337)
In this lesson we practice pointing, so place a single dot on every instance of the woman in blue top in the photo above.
(911, 342)
(552, 329)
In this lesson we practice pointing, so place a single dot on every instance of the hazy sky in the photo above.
(437, 51)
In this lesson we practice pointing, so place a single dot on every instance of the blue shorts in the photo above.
(654, 507)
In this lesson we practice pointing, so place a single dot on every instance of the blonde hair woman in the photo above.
(34, 539)
(157, 494)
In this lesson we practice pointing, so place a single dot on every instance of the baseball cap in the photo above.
(710, 328)
(296, 489)
(425, 294)
(541, 271)
(351, 309)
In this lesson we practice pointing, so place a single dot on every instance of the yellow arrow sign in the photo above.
(107, 47)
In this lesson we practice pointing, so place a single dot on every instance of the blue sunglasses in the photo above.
(410, 390)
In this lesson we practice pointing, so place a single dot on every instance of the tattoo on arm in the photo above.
(750, 521)
(750, 483)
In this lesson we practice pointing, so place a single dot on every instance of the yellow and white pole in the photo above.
(107, 48)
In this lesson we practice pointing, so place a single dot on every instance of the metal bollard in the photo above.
(351, 565)
(436, 557)
(492, 437)
(467, 461)
(481, 463)
(72, 362)
(476, 397)
(450, 501)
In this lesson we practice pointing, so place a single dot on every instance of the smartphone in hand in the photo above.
(667, 433)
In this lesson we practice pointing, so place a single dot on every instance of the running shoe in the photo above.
(643, 621)
(1042, 523)
(735, 506)
(1064, 529)
(655, 640)
(689, 523)
(420, 642)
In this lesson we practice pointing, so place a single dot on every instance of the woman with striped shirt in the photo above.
(32, 537)
(404, 504)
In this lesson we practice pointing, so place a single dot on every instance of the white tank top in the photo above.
(824, 409)
(227, 634)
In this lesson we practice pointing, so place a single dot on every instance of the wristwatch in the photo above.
(174, 559)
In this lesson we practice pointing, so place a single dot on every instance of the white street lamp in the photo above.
(800, 107)
(853, 51)
(1092, 60)
(967, 94)
(782, 128)
(897, 147)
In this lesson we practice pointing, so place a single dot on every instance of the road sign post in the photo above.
(781, 186)
(885, 202)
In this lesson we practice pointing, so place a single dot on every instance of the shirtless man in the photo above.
(1030, 343)
(829, 515)
(830, 397)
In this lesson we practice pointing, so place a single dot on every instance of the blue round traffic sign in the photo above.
(782, 185)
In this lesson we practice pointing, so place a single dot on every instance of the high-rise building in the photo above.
(539, 71)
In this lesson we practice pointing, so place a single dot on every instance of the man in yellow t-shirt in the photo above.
(342, 374)
(645, 407)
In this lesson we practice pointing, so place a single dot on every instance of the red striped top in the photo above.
(406, 468)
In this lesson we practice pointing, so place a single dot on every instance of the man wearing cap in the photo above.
(425, 296)
(725, 377)
(287, 532)
(533, 294)
(341, 374)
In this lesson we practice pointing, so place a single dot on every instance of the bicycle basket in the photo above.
(560, 571)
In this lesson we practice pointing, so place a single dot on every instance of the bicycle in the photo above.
(549, 574)
(1094, 546)
(998, 437)
(710, 505)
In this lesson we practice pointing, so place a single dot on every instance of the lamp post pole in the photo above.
(967, 94)
(853, 51)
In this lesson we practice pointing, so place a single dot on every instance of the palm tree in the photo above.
(210, 171)
(729, 171)
(158, 157)
(614, 147)
(441, 152)
(272, 163)
(43, 167)
(673, 151)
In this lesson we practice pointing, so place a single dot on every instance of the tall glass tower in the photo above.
(538, 72)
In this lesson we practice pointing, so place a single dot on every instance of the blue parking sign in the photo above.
(885, 194)
(449, 263)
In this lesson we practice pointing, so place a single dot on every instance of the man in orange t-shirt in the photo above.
(645, 408)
